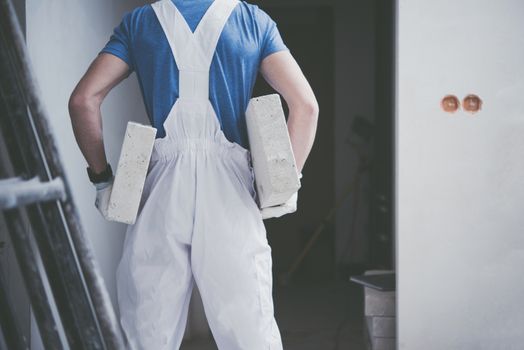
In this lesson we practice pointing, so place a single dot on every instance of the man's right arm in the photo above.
(104, 73)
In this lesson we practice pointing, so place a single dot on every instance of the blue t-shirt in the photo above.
(248, 37)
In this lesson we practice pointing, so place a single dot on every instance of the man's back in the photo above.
(248, 37)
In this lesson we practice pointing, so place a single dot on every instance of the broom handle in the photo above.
(320, 228)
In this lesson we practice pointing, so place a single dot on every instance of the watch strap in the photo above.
(104, 176)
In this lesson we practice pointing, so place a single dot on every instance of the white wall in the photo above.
(460, 178)
(63, 37)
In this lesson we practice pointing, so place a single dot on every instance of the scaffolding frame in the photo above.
(54, 248)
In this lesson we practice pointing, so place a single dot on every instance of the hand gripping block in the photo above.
(131, 173)
(276, 175)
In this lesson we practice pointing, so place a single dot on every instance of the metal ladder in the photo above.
(67, 294)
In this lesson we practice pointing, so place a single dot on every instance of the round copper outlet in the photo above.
(472, 103)
(450, 103)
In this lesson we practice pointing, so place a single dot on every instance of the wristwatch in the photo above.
(104, 176)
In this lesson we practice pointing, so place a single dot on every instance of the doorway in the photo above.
(302, 28)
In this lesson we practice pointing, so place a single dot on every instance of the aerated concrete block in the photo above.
(274, 164)
(377, 303)
(380, 320)
(375, 343)
(131, 173)
(381, 326)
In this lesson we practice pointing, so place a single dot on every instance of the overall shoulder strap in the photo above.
(211, 26)
(193, 51)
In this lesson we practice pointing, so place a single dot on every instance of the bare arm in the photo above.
(282, 72)
(105, 72)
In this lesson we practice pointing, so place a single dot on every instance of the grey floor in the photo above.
(324, 317)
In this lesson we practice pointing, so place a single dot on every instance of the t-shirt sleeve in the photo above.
(120, 43)
(272, 40)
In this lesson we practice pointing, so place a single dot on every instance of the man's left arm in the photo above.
(283, 74)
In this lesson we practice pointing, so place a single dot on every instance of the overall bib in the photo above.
(198, 221)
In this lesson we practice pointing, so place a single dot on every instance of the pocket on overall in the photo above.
(264, 282)
(245, 175)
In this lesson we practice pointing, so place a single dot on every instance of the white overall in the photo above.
(198, 220)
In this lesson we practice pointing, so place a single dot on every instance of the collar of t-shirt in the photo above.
(192, 10)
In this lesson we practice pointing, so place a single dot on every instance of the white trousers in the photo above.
(198, 222)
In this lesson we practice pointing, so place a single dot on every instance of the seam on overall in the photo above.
(169, 149)
(253, 188)
(263, 273)
(244, 176)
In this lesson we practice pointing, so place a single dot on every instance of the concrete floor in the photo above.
(324, 317)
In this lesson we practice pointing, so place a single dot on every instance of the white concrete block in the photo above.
(274, 163)
(131, 173)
